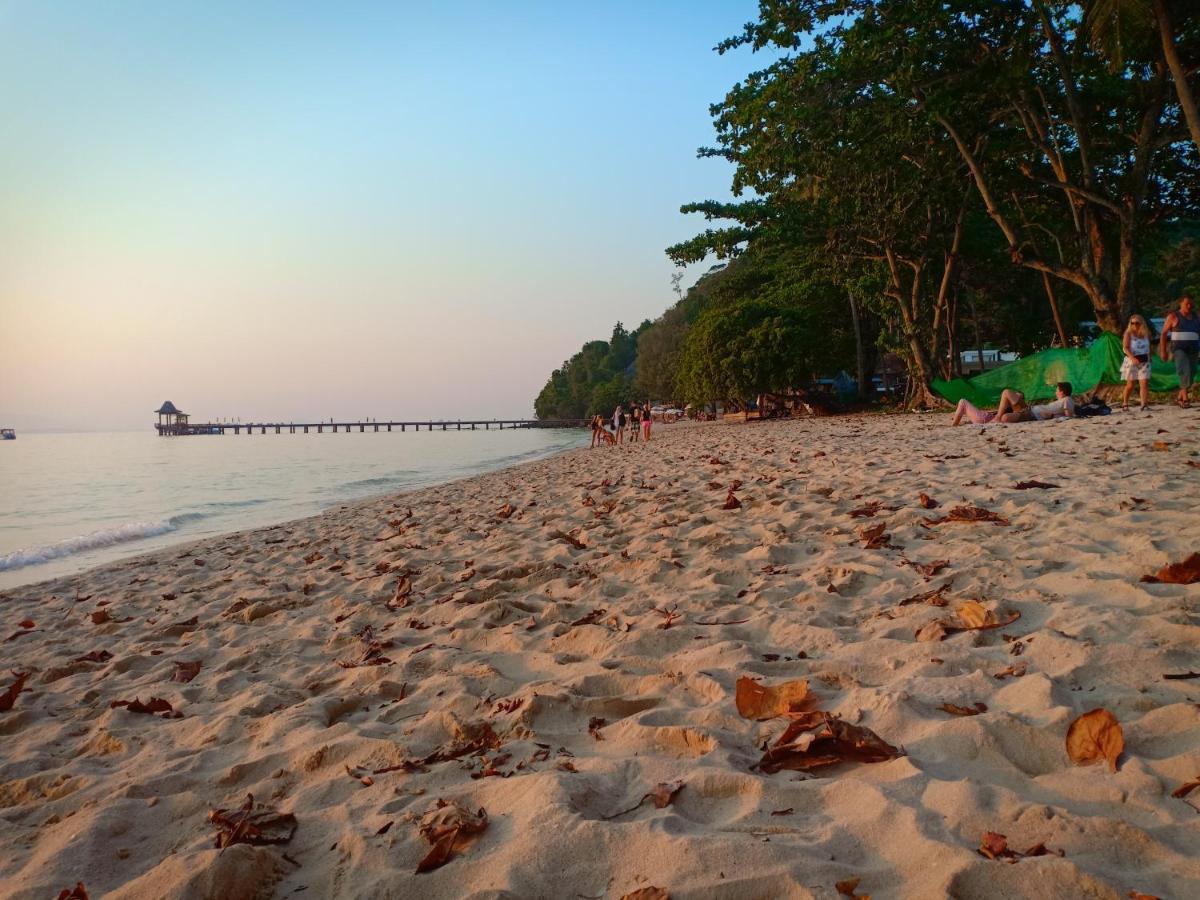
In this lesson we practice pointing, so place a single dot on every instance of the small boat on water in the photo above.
(7, 434)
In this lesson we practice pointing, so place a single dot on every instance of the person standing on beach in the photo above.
(1182, 331)
(635, 422)
(647, 418)
(1136, 364)
(618, 421)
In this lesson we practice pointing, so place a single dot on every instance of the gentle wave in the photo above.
(105, 537)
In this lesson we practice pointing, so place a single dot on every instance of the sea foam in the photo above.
(105, 537)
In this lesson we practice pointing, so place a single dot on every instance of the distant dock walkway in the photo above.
(182, 429)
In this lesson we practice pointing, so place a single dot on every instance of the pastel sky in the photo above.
(302, 210)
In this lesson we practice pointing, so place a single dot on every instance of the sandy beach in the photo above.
(559, 645)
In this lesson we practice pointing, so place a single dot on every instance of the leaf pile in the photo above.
(758, 701)
(1186, 572)
(1094, 736)
(245, 826)
(817, 739)
(444, 828)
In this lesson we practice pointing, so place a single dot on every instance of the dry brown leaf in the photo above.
(664, 793)
(186, 671)
(956, 710)
(153, 706)
(995, 846)
(1094, 736)
(445, 828)
(245, 826)
(1010, 672)
(731, 501)
(969, 514)
(573, 541)
(1034, 485)
(9, 697)
(79, 892)
(1186, 572)
(926, 501)
(816, 739)
(931, 631)
(1184, 789)
(505, 511)
(975, 615)
(595, 723)
(875, 537)
(96, 656)
(647, 893)
(929, 569)
(1161, 446)
(849, 888)
(759, 701)
(1138, 895)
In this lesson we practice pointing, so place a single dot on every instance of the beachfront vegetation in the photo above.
(923, 177)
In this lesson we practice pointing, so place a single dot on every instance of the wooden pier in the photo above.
(182, 429)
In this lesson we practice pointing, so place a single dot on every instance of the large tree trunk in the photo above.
(1182, 88)
(860, 350)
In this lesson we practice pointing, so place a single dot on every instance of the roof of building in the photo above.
(168, 408)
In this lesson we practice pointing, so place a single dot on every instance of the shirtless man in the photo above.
(1182, 331)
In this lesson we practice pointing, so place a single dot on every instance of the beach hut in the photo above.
(170, 419)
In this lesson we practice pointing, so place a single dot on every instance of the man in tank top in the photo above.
(1181, 340)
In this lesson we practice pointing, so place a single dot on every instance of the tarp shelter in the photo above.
(1036, 375)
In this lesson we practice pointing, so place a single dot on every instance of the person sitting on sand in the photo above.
(1136, 364)
(1011, 401)
(1062, 406)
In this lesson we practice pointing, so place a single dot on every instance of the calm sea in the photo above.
(73, 501)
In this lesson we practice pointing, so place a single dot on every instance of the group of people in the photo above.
(635, 425)
(1179, 342)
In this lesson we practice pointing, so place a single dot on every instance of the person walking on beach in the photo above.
(635, 422)
(597, 428)
(1136, 364)
(647, 418)
(1182, 331)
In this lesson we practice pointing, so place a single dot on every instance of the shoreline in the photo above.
(551, 641)
(185, 538)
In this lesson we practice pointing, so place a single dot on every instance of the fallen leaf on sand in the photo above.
(1184, 789)
(505, 511)
(186, 671)
(664, 793)
(875, 537)
(759, 701)
(968, 514)
(928, 569)
(817, 739)
(731, 501)
(647, 893)
(96, 656)
(26, 623)
(372, 654)
(869, 510)
(9, 697)
(1034, 485)
(783, 812)
(245, 826)
(402, 597)
(995, 846)
(1161, 446)
(1138, 895)
(1180, 676)
(591, 618)
(926, 501)
(154, 705)
(1186, 572)
(1010, 672)
(956, 710)
(573, 541)
(1094, 736)
(445, 828)
(669, 616)
(971, 616)
(936, 597)
(594, 726)
(79, 892)
(849, 887)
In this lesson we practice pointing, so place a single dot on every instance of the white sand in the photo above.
(119, 800)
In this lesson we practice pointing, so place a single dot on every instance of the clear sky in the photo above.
(300, 210)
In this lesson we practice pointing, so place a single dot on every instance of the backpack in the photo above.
(1094, 407)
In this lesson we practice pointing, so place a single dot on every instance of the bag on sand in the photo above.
(1094, 407)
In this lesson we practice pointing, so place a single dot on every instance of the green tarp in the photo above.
(1036, 375)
